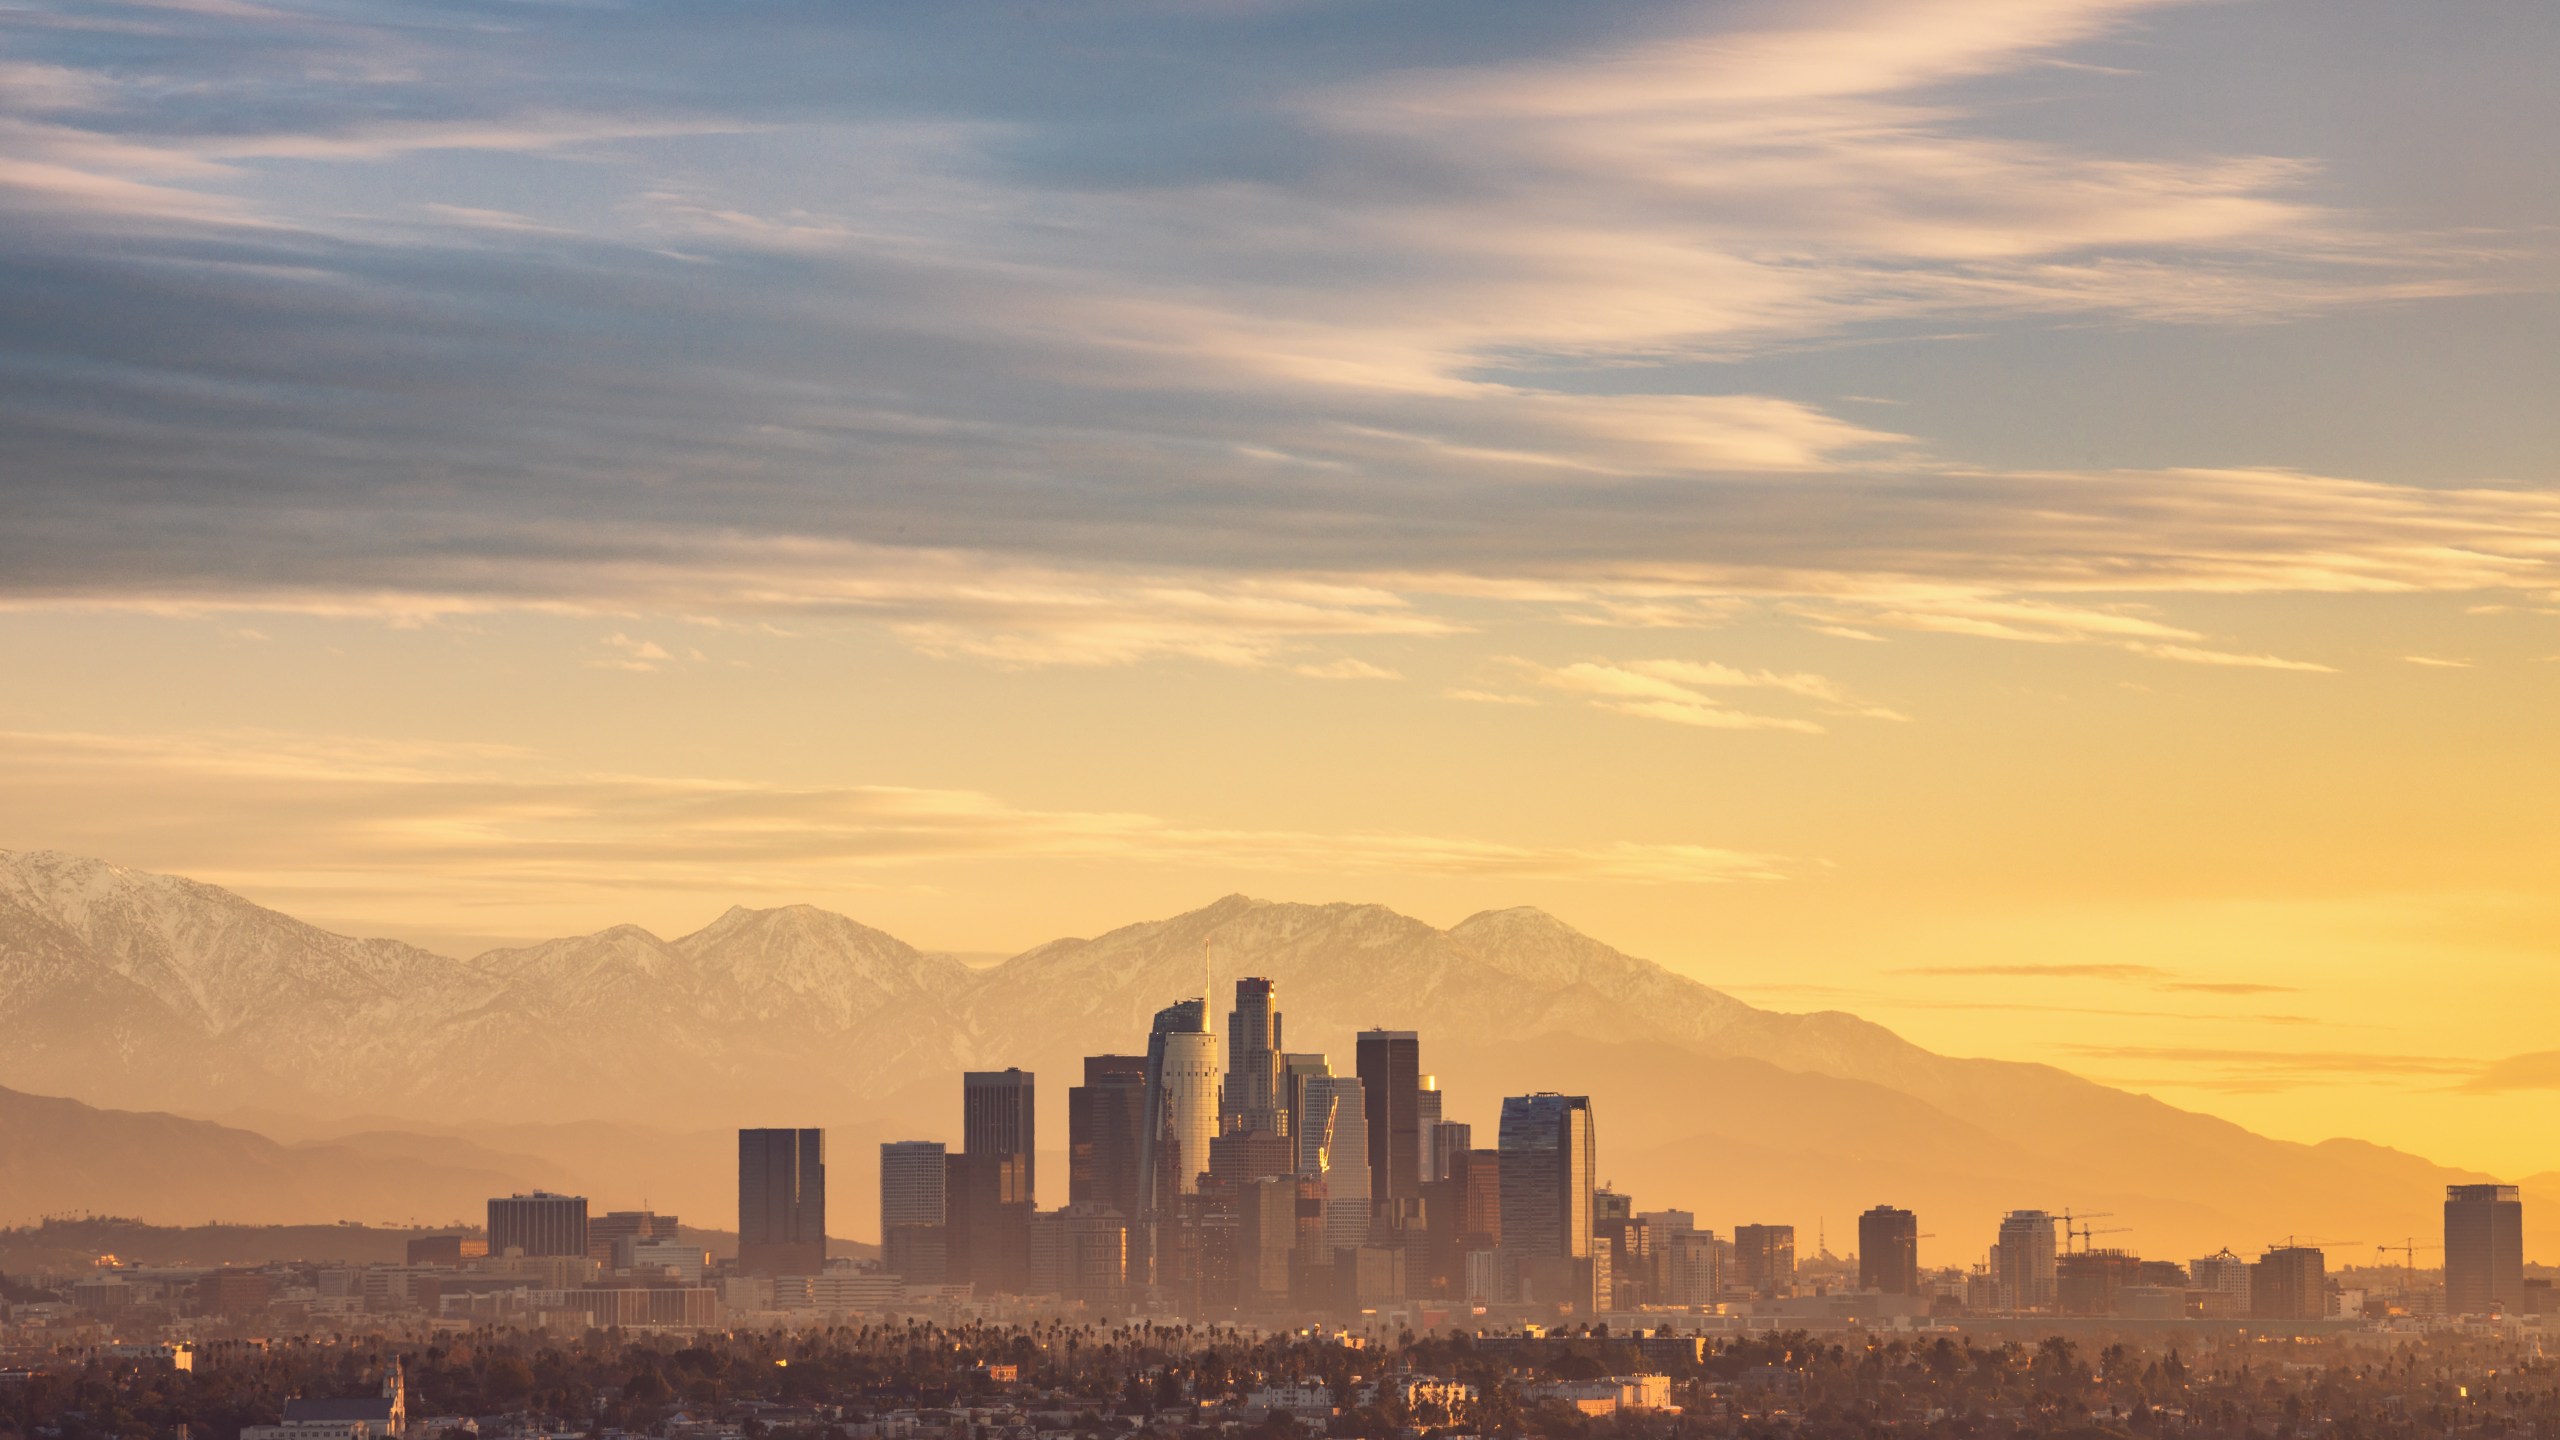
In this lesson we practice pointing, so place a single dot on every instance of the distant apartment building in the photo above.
(2483, 1249)
(661, 1255)
(232, 1292)
(1691, 1267)
(913, 1195)
(2289, 1282)
(1764, 1259)
(538, 1224)
(2022, 1261)
(606, 1230)
(1889, 1251)
(782, 1201)
(2218, 1284)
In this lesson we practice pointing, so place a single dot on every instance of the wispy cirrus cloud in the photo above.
(2153, 976)
(2538, 1070)
(507, 829)
(1392, 331)
(2248, 1071)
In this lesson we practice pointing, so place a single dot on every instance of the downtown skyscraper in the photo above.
(994, 1191)
(1390, 1070)
(782, 1202)
(1256, 1095)
(1107, 1135)
(914, 1211)
(2483, 1249)
(1550, 1158)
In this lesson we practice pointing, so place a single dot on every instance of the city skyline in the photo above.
(793, 1013)
(1266, 1221)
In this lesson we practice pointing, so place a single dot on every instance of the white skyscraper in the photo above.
(1190, 1112)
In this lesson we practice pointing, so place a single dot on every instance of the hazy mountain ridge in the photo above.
(134, 984)
(60, 1157)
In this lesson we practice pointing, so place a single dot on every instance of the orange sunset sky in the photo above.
(2031, 521)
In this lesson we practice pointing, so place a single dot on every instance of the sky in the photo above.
(2032, 521)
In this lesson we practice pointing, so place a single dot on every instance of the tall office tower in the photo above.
(1187, 1113)
(1337, 1122)
(1183, 1017)
(2483, 1249)
(914, 1238)
(1390, 1066)
(997, 1112)
(1295, 1072)
(1426, 1109)
(1549, 1159)
(1764, 1258)
(2022, 1260)
(782, 1202)
(1889, 1251)
(2290, 1282)
(1106, 1134)
(1449, 1140)
(538, 1224)
(1255, 1097)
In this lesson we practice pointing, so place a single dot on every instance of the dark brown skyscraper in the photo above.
(993, 1197)
(1889, 1251)
(782, 1202)
(1390, 1069)
(2483, 1249)
(1254, 1097)
(1106, 1134)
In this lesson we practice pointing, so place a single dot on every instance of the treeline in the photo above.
(824, 1384)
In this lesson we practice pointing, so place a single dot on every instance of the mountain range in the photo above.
(619, 1060)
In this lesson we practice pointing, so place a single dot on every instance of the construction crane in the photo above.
(2407, 1250)
(2081, 1232)
(2296, 1242)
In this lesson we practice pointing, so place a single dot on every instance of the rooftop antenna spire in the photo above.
(1208, 986)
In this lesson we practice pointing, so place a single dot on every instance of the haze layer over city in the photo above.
(1746, 705)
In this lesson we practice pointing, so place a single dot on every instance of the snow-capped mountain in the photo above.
(132, 989)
